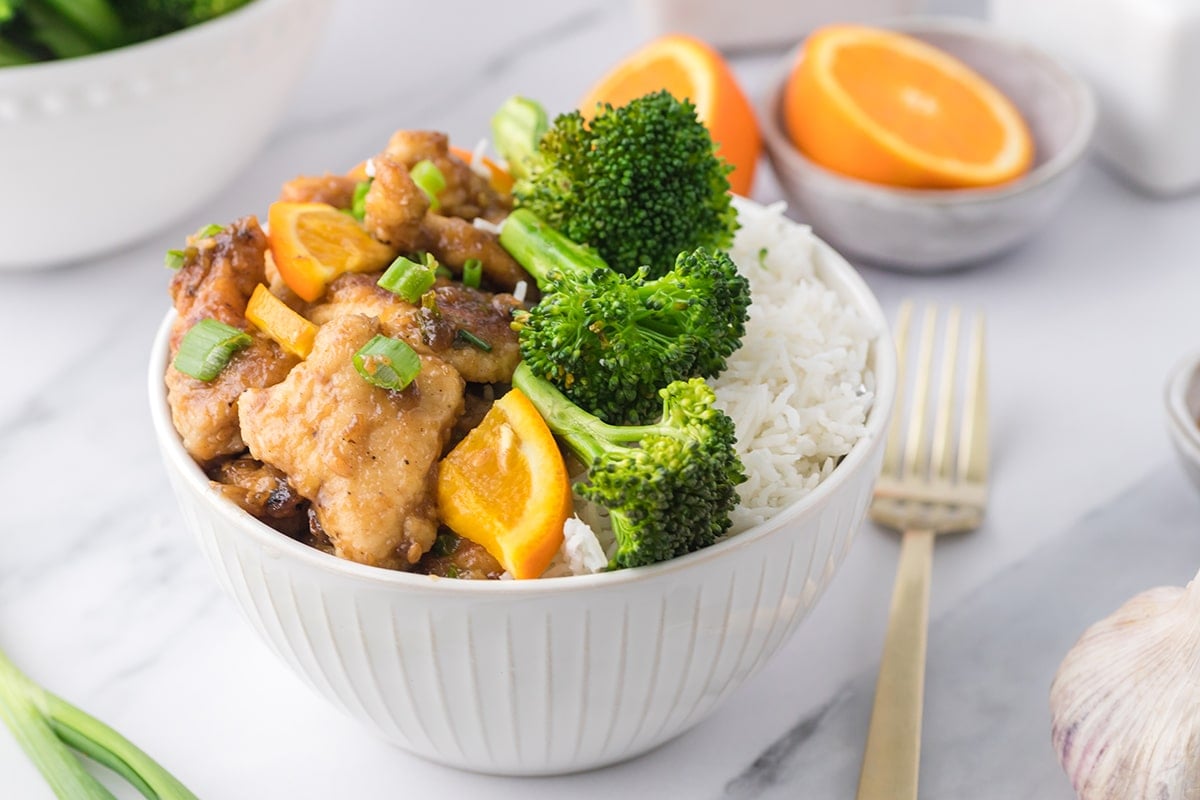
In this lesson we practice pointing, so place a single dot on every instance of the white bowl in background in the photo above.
(1183, 413)
(542, 676)
(922, 230)
(100, 151)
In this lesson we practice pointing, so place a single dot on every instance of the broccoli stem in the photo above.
(579, 429)
(45, 724)
(517, 130)
(543, 251)
(588, 435)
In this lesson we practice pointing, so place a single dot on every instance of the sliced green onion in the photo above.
(429, 303)
(408, 279)
(175, 259)
(45, 725)
(211, 229)
(442, 272)
(762, 257)
(207, 347)
(431, 180)
(387, 363)
(473, 340)
(472, 272)
(358, 203)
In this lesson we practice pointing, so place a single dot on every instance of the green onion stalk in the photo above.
(49, 728)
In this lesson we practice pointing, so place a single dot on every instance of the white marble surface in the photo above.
(105, 599)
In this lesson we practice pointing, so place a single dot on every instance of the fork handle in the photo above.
(893, 752)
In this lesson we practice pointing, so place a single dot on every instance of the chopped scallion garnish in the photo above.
(429, 303)
(387, 363)
(211, 229)
(175, 259)
(46, 726)
(207, 347)
(443, 272)
(472, 272)
(473, 340)
(431, 180)
(358, 203)
(408, 279)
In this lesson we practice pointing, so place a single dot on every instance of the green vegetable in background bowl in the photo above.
(42, 30)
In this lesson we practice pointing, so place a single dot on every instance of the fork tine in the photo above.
(916, 445)
(973, 447)
(939, 459)
(891, 453)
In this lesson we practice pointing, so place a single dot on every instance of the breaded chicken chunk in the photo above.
(467, 194)
(217, 277)
(366, 457)
(395, 206)
(335, 190)
(453, 241)
(455, 308)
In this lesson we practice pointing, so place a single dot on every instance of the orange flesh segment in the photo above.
(313, 243)
(690, 69)
(889, 108)
(505, 487)
(274, 318)
(951, 119)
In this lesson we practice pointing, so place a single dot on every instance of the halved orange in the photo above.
(885, 107)
(313, 243)
(690, 69)
(505, 487)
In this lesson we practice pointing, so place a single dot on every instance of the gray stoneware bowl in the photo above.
(925, 230)
(1183, 414)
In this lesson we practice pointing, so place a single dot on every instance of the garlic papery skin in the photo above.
(1125, 704)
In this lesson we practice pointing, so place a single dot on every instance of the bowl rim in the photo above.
(1183, 425)
(14, 77)
(830, 266)
(1083, 99)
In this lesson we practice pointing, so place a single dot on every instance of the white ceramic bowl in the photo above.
(1183, 413)
(937, 229)
(549, 676)
(103, 150)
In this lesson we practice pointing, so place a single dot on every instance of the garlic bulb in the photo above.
(1125, 704)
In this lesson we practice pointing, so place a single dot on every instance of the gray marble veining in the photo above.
(104, 598)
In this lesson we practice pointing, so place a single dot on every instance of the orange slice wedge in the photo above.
(277, 320)
(313, 243)
(690, 69)
(888, 108)
(505, 487)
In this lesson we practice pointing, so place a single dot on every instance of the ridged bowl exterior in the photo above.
(537, 677)
(100, 151)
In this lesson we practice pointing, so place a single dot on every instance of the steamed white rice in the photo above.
(798, 390)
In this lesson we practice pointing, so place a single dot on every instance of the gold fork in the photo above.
(928, 486)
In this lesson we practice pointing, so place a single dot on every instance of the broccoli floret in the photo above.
(639, 183)
(611, 341)
(669, 486)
